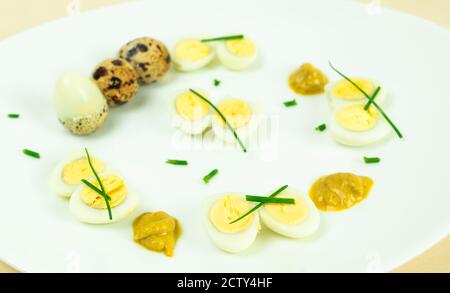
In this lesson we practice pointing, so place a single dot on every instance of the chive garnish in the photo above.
(397, 131)
(290, 103)
(217, 82)
(372, 98)
(223, 118)
(224, 38)
(13, 116)
(264, 199)
(102, 191)
(177, 162)
(321, 127)
(373, 160)
(31, 153)
(211, 174)
(259, 205)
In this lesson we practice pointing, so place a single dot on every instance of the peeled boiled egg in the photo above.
(67, 175)
(239, 115)
(237, 54)
(297, 220)
(342, 93)
(192, 54)
(79, 104)
(219, 211)
(353, 126)
(90, 207)
(192, 113)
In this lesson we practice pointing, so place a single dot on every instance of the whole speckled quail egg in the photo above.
(149, 57)
(79, 104)
(117, 79)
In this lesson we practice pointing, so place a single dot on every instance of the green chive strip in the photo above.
(93, 187)
(13, 116)
(217, 82)
(177, 162)
(264, 199)
(290, 103)
(224, 38)
(223, 118)
(211, 174)
(373, 160)
(397, 131)
(102, 188)
(372, 98)
(31, 153)
(321, 127)
(280, 190)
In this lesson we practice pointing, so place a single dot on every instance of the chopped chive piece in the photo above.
(371, 160)
(372, 98)
(102, 191)
(177, 162)
(321, 127)
(259, 205)
(31, 153)
(224, 38)
(223, 118)
(397, 131)
(264, 199)
(217, 82)
(13, 116)
(211, 174)
(290, 103)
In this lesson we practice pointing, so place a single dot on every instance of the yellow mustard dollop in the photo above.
(355, 118)
(288, 213)
(192, 50)
(241, 48)
(346, 91)
(75, 171)
(115, 188)
(227, 209)
(237, 112)
(339, 191)
(190, 106)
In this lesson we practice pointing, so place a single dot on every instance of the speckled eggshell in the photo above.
(86, 124)
(150, 58)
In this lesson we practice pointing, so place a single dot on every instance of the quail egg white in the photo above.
(192, 54)
(67, 175)
(219, 211)
(351, 125)
(89, 207)
(237, 54)
(192, 113)
(297, 220)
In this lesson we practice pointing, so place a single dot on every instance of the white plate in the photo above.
(407, 211)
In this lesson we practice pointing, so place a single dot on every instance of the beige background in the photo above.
(18, 15)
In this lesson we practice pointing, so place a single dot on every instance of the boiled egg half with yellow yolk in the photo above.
(222, 209)
(67, 175)
(342, 93)
(192, 54)
(237, 54)
(352, 125)
(192, 113)
(90, 207)
(297, 220)
(239, 115)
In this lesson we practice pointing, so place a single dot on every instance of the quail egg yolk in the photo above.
(80, 169)
(347, 91)
(191, 107)
(241, 48)
(339, 191)
(192, 50)
(227, 209)
(355, 118)
(237, 113)
(114, 187)
(288, 213)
